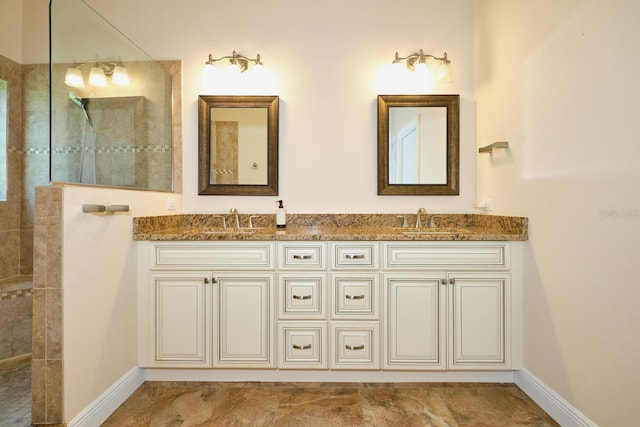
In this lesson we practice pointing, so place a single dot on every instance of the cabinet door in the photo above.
(181, 304)
(479, 316)
(414, 321)
(243, 320)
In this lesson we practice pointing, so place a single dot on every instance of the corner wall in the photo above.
(84, 296)
(558, 80)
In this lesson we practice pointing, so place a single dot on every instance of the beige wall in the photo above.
(99, 308)
(558, 80)
(11, 30)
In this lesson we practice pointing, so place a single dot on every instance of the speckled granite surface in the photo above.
(332, 227)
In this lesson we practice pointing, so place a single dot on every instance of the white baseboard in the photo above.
(557, 407)
(100, 409)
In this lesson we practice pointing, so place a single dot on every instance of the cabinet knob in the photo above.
(214, 280)
(206, 280)
(443, 281)
(452, 281)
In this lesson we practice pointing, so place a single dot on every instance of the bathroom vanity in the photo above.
(330, 297)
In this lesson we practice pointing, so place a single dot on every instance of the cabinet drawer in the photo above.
(302, 296)
(354, 296)
(221, 256)
(353, 256)
(302, 256)
(355, 345)
(303, 345)
(458, 255)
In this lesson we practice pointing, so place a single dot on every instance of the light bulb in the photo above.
(234, 70)
(73, 77)
(420, 68)
(97, 77)
(120, 76)
(445, 74)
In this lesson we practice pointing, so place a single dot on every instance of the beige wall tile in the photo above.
(38, 324)
(38, 391)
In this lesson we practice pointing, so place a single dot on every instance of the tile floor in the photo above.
(328, 404)
(296, 404)
(15, 393)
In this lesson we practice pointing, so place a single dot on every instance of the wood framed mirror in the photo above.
(418, 144)
(238, 145)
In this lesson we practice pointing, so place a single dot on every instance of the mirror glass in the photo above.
(111, 104)
(418, 140)
(238, 139)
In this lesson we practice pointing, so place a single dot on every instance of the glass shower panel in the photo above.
(110, 104)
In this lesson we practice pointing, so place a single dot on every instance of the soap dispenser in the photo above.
(281, 215)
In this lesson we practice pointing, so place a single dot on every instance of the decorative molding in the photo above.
(554, 404)
(100, 409)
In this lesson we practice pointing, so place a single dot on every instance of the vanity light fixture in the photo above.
(240, 62)
(417, 62)
(98, 74)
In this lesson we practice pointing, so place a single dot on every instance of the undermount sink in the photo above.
(241, 230)
(434, 230)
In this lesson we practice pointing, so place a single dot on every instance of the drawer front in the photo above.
(354, 296)
(459, 255)
(302, 296)
(355, 345)
(303, 345)
(302, 256)
(220, 256)
(354, 256)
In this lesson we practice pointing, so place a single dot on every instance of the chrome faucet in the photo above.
(234, 212)
(418, 220)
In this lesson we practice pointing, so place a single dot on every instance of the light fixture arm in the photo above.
(235, 58)
(419, 57)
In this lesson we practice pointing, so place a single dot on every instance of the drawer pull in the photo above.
(354, 296)
(350, 256)
(302, 257)
(302, 297)
(354, 347)
(302, 347)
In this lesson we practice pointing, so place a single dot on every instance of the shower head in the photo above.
(80, 103)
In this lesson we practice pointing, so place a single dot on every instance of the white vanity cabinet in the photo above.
(338, 305)
(206, 304)
(447, 305)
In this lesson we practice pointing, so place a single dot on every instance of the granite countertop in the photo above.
(447, 227)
